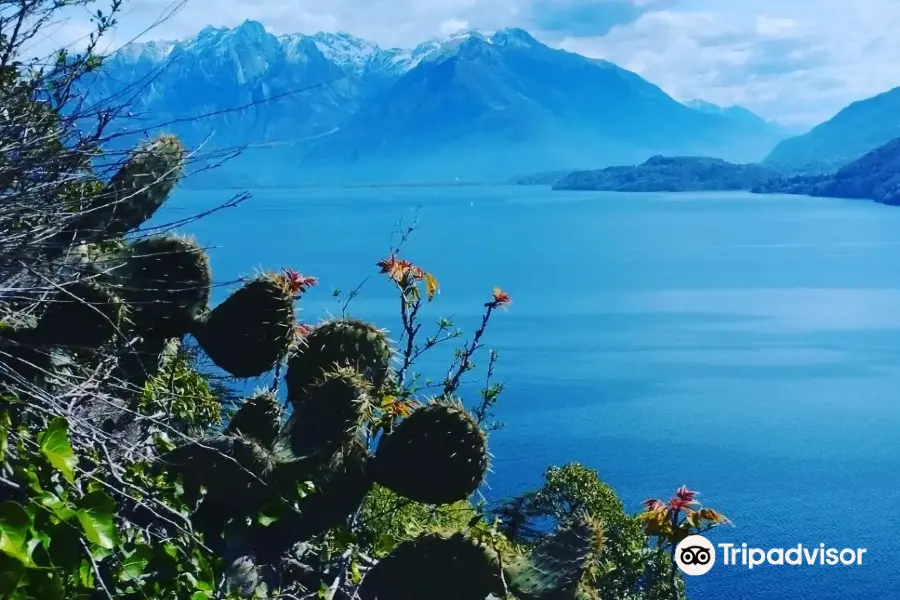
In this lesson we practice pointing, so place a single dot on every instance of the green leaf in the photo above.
(133, 566)
(270, 513)
(14, 525)
(95, 513)
(205, 576)
(86, 574)
(56, 447)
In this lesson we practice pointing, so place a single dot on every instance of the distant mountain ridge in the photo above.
(857, 129)
(476, 105)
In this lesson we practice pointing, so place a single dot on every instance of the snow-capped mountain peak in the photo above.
(345, 49)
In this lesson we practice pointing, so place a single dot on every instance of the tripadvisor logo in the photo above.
(696, 555)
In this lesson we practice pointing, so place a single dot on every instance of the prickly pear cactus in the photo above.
(166, 280)
(339, 490)
(258, 419)
(136, 191)
(226, 466)
(435, 566)
(331, 414)
(82, 315)
(252, 330)
(558, 569)
(342, 343)
(436, 455)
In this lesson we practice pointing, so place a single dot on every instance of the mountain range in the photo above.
(854, 131)
(474, 106)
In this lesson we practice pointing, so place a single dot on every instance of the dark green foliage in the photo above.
(670, 174)
(627, 567)
(437, 455)
(342, 343)
(259, 419)
(558, 568)
(330, 414)
(252, 329)
(874, 176)
(166, 280)
(81, 315)
(437, 567)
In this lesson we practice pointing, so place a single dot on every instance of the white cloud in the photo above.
(799, 63)
(775, 27)
(451, 26)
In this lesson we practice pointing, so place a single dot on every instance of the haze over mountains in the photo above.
(856, 130)
(476, 106)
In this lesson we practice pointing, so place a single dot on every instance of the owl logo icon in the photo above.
(695, 555)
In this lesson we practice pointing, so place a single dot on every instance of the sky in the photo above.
(793, 61)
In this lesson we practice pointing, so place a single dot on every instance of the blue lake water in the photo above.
(747, 346)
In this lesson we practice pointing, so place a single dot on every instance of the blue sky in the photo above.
(796, 61)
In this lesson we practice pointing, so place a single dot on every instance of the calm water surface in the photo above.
(748, 346)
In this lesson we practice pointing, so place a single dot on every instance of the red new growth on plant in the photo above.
(673, 521)
(299, 283)
(398, 269)
(500, 298)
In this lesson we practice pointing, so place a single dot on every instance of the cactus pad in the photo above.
(83, 314)
(330, 414)
(437, 567)
(344, 343)
(233, 471)
(436, 455)
(557, 568)
(137, 190)
(258, 419)
(252, 329)
(167, 283)
(340, 488)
